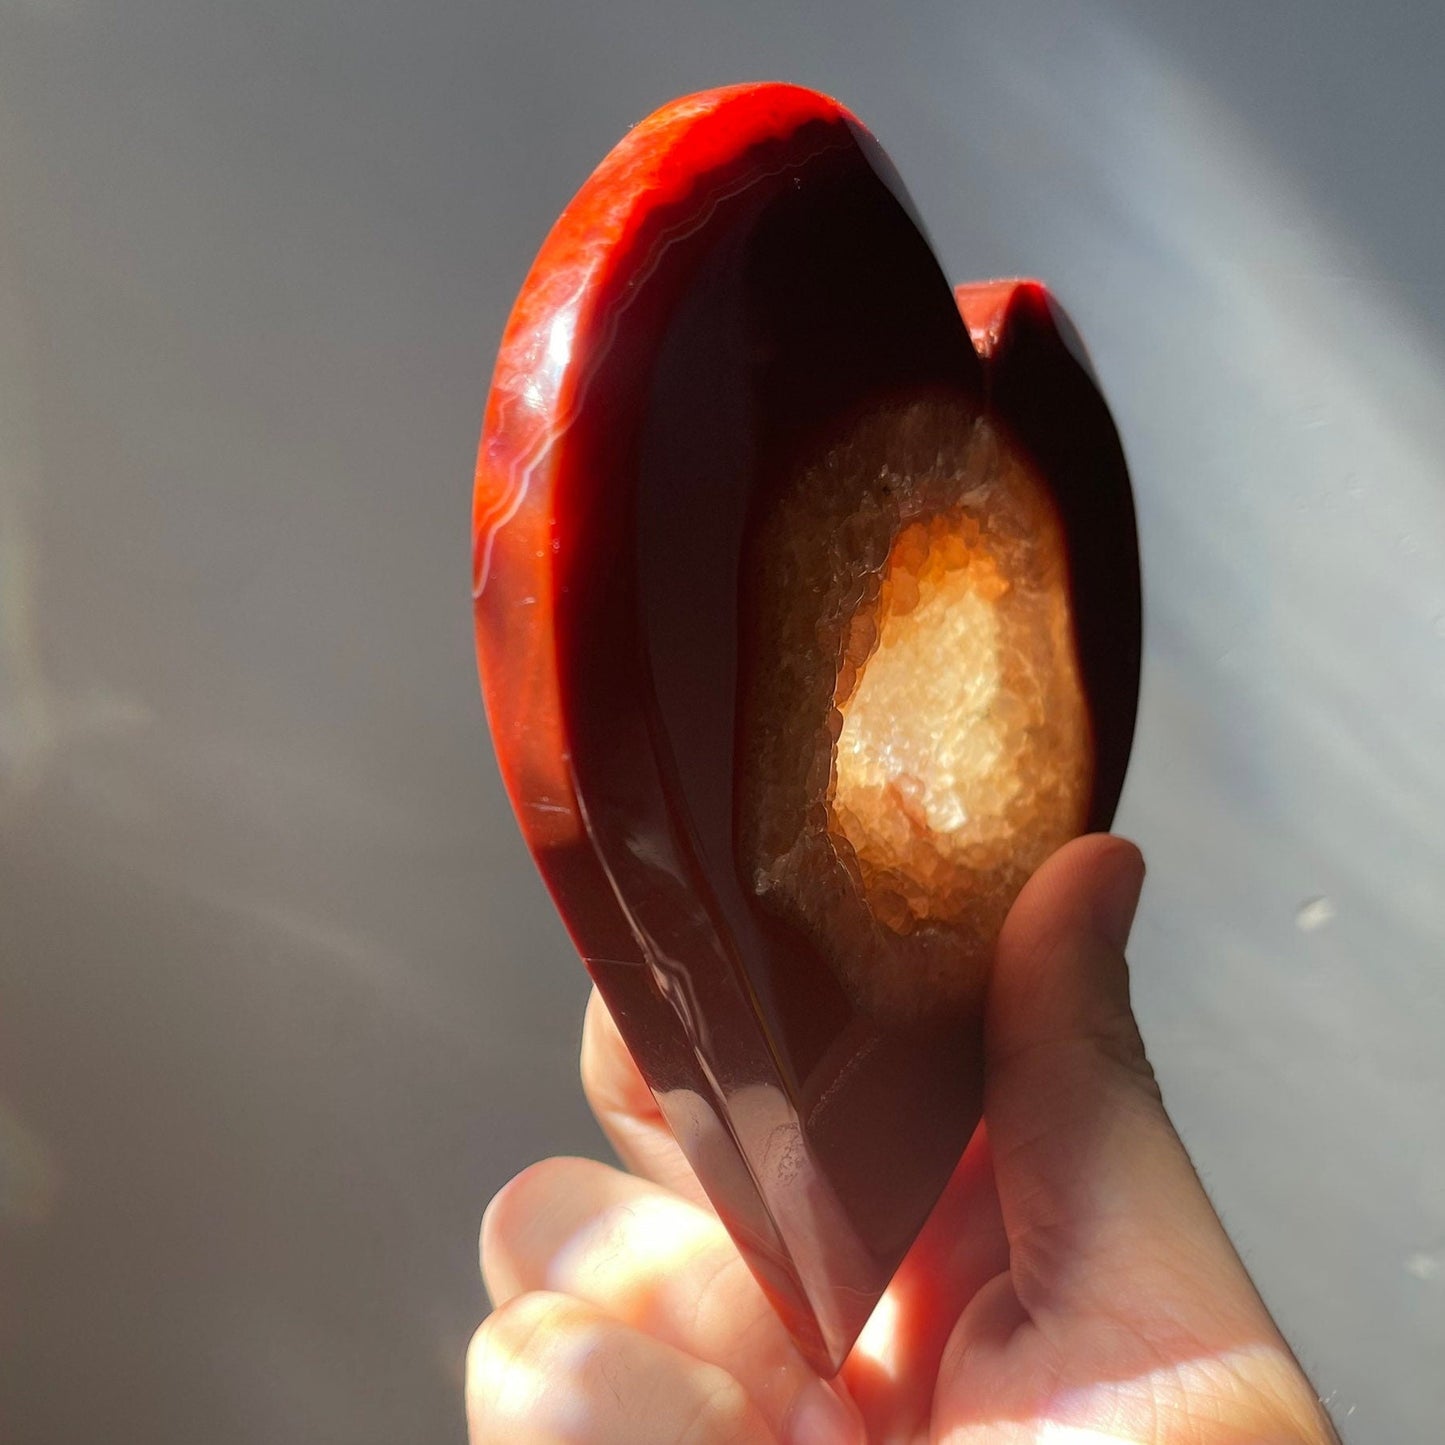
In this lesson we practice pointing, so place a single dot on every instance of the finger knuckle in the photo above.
(507, 1361)
(725, 1415)
(1121, 1047)
(515, 1331)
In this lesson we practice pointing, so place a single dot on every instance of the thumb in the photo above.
(1089, 1169)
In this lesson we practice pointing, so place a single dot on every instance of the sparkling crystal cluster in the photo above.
(922, 743)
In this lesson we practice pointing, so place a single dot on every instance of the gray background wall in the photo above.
(281, 1000)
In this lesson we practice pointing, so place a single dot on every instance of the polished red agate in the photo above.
(807, 608)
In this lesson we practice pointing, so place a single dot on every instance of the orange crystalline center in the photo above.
(954, 752)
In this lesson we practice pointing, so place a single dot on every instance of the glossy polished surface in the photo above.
(738, 298)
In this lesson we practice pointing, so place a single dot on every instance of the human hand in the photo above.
(1072, 1285)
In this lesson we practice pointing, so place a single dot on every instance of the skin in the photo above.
(1073, 1284)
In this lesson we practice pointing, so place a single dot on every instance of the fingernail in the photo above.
(821, 1418)
(1117, 901)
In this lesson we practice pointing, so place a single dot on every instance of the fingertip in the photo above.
(611, 1079)
(1091, 858)
(1119, 871)
(515, 1201)
(1059, 971)
(534, 1206)
(1092, 883)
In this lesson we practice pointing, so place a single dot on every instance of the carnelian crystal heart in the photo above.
(807, 608)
